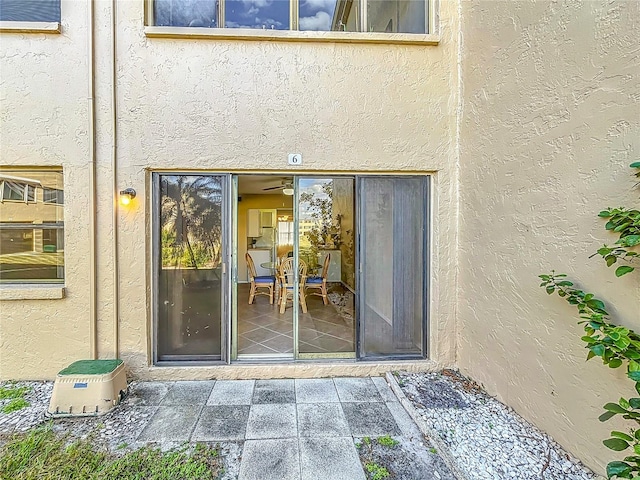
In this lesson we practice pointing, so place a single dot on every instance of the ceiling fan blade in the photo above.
(273, 188)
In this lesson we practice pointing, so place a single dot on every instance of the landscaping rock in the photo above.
(484, 439)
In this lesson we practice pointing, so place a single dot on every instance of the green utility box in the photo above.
(88, 387)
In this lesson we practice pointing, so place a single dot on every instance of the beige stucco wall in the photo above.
(550, 125)
(208, 105)
(43, 122)
(345, 107)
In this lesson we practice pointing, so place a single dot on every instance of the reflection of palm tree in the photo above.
(191, 218)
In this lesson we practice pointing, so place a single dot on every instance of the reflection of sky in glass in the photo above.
(316, 14)
(267, 14)
(185, 13)
(314, 187)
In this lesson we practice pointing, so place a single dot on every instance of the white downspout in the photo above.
(114, 164)
(93, 309)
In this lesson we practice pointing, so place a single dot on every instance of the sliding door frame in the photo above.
(226, 270)
(229, 296)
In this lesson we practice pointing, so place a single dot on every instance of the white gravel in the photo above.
(28, 417)
(485, 439)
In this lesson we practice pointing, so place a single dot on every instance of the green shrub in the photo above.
(616, 345)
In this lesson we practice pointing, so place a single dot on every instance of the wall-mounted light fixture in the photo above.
(287, 191)
(127, 195)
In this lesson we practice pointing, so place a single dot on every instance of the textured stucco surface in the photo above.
(31, 292)
(550, 125)
(237, 105)
(43, 122)
(298, 370)
(207, 105)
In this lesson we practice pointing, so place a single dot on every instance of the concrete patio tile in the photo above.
(188, 393)
(321, 420)
(232, 392)
(276, 459)
(147, 394)
(330, 459)
(369, 419)
(274, 391)
(384, 389)
(221, 422)
(272, 421)
(357, 390)
(404, 421)
(171, 423)
(316, 390)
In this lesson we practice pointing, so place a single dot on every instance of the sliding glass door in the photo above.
(326, 220)
(190, 215)
(360, 242)
(393, 266)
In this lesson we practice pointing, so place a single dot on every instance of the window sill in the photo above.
(290, 35)
(30, 27)
(31, 292)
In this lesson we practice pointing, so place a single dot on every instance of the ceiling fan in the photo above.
(286, 187)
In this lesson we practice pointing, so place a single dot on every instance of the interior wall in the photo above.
(255, 201)
(550, 123)
(343, 205)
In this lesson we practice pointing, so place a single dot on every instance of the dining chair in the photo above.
(320, 282)
(265, 281)
(286, 279)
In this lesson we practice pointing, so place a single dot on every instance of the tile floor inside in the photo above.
(263, 330)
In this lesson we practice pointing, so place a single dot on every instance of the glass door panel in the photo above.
(263, 331)
(326, 223)
(190, 213)
(393, 259)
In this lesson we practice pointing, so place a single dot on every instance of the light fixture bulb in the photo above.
(287, 191)
(127, 195)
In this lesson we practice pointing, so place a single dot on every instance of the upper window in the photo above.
(30, 10)
(390, 16)
(31, 226)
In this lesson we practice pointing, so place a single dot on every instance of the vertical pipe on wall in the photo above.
(93, 310)
(114, 160)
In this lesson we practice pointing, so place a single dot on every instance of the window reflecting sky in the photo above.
(30, 10)
(185, 13)
(267, 14)
(316, 14)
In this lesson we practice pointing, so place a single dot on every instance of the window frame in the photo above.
(21, 26)
(25, 192)
(54, 286)
(293, 34)
(57, 200)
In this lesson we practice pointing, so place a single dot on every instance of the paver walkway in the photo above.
(292, 429)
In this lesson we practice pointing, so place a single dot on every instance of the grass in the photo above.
(387, 441)
(41, 454)
(377, 472)
(15, 395)
(368, 456)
